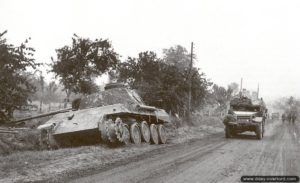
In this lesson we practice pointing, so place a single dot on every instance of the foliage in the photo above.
(162, 84)
(22, 141)
(288, 105)
(77, 65)
(177, 56)
(14, 88)
(51, 89)
(44, 91)
(234, 87)
(220, 96)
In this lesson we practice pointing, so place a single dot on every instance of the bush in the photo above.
(22, 141)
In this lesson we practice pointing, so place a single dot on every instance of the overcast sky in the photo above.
(258, 40)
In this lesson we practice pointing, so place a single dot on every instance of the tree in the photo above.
(162, 84)
(41, 81)
(15, 87)
(288, 105)
(220, 96)
(234, 87)
(51, 89)
(177, 56)
(77, 65)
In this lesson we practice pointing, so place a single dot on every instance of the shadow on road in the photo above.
(245, 136)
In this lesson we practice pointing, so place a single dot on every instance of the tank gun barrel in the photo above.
(43, 115)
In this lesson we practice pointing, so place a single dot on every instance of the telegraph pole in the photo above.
(241, 88)
(190, 85)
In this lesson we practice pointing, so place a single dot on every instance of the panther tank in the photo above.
(115, 115)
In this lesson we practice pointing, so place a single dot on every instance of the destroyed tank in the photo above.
(245, 115)
(116, 115)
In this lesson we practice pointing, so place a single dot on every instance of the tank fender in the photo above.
(46, 126)
(229, 118)
(146, 107)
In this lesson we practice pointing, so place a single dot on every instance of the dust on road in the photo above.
(214, 159)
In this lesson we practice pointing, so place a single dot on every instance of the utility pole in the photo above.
(190, 85)
(241, 88)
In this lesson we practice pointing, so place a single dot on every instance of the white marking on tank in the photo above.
(295, 135)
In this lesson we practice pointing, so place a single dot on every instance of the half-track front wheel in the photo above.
(162, 136)
(263, 129)
(135, 134)
(145, 132)
(154, 134)
(259, 131)
(227, 132)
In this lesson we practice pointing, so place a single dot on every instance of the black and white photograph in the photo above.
(149, 91)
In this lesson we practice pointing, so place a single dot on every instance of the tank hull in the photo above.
(90, 126)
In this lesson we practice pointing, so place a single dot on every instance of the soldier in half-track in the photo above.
(245, 115)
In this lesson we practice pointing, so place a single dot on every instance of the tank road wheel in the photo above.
(126, 134)
(135, 134)
(119, 129)
(145, 132)
(153, 134)
(259, 131)
(162, 136)
(115, 131)
(112, 133)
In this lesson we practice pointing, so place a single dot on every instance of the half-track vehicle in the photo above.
(245, 115)
(116, 115)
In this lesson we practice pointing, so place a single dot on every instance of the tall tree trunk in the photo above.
(41, 104)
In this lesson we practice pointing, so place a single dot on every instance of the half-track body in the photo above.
(245, 115)
(116, 115)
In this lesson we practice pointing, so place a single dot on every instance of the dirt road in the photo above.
(213, 159)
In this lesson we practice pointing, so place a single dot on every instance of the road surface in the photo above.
(213, 159)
